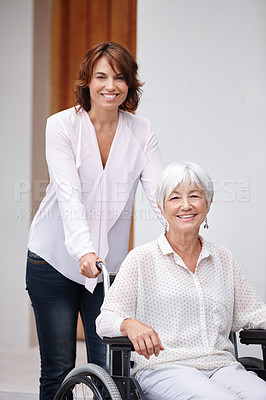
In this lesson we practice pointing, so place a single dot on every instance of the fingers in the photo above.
(153, 345)
(145, 339)
(89, 270)
(145, 347)
(147, 343)
(87, 266)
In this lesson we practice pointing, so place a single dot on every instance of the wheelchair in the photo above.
(91, 382)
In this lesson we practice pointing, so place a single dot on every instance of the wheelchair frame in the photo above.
(117, 384)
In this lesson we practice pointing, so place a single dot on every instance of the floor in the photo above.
(19, 372)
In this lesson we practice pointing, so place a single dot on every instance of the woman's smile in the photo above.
(186, 216)
(109, 97)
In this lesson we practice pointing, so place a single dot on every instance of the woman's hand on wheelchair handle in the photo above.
(87, 265)
(144, 338)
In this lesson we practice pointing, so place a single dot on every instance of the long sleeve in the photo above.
(249, 310)
(120, 301)
(151, 173)
(64, 175)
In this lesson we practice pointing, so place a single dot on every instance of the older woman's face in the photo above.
(186, 209)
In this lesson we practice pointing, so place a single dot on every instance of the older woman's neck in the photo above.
(187, 246)
(185, 243)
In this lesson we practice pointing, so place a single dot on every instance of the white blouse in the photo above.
(87, 208)
(192, 313)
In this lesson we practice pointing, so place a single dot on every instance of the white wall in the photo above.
(24, 105)
(16, 49)
(204, 64)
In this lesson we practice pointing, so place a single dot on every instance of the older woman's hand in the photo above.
(145, 339)
(87, 265)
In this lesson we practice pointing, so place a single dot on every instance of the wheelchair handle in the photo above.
(106, 276)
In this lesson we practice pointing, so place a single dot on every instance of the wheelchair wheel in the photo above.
(90, 383)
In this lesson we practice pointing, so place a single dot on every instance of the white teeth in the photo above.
(186, 216)
(109, 96)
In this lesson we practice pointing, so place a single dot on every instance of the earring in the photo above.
(165, 227)
(206, 226)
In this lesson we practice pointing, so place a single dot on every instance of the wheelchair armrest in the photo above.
(120, 348)
(122, 342)
(253, 336)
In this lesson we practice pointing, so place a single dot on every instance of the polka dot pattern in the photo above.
(192, 313)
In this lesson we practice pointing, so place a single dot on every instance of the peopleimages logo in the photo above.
(23, 187)
(25, 191)
(229, 190)
(119, 191)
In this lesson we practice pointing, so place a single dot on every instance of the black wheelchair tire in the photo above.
(90, 376)
(251, 363)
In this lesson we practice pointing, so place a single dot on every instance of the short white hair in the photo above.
(184, 173)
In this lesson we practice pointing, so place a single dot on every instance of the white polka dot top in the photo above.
(192, 313)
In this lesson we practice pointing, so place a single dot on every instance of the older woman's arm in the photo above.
(119, 310)
(249, 309)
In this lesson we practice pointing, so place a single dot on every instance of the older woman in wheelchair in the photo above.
(178, 298)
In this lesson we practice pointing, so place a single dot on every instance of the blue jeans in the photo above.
(56, 301)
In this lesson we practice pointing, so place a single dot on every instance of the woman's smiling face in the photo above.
(186, 208)
(108, 88)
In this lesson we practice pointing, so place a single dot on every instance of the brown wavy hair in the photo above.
(120, 59)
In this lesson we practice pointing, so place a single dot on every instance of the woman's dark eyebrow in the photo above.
(104, 74)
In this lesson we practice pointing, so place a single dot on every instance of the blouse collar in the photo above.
(167, 249)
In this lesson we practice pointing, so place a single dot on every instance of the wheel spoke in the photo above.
(93, 383)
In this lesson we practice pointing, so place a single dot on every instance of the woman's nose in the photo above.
(110, 84)
(186, 203)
